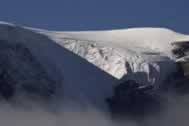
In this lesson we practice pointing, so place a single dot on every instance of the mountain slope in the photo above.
(88, 64)
(156, 39)
(147, 51)
(80, 80)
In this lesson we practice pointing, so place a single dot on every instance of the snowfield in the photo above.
(89, 63)
(147, 51)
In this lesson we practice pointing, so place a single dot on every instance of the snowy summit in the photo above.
(83, 63)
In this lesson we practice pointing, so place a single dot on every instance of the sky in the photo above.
(75, 15)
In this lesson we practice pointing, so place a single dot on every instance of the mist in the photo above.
(176, 113)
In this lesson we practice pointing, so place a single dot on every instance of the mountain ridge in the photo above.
(85, 63)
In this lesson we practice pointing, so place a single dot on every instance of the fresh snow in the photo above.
(89, 63)
(148, 51)
(156, 39)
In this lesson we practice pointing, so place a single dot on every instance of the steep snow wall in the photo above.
(142, 54)
(82, 82)
(21, 73)
(88, 64)
(149, 68)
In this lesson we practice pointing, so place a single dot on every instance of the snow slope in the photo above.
(80, 79)
(88, 64)
(157, 39)
(147, 51)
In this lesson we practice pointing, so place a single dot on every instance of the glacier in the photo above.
(88, 64)
(128, 52)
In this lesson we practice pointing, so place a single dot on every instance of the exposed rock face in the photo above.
(185, 68)
(132, 100)
(179, 81)
(21, 73)
(180, 49)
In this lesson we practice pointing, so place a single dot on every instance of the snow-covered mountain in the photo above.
(84, 66)
(146, 52)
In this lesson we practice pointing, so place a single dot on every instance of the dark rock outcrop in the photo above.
(22, 74)
(132, 100)
(180, 49)
(178, 82)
